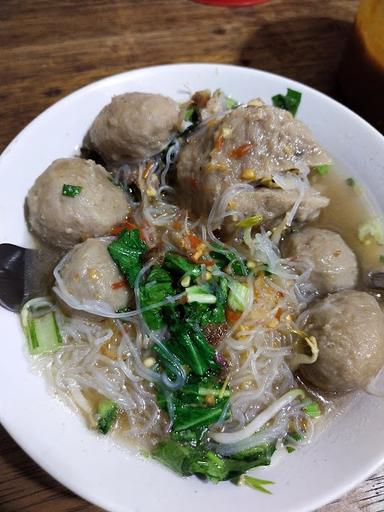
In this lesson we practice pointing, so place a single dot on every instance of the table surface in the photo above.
(51, 48)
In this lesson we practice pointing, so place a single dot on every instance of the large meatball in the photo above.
(349, 328)
(272, 204)
(63, 220)
(246, 145)
(334, 263)
(134, 126)
(90, 274)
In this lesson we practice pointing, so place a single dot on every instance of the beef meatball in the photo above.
(349, 328)
(63, 220)
(134, 126)
(334, 263)
(90, 274)
(272, 204)
(246, 145)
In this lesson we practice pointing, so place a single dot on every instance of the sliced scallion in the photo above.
(40, 326)
(71, 190)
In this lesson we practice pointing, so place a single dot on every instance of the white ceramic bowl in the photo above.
(345, 453)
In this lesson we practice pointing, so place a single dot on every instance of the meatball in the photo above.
(334, 263)
(134, 126)
(349, 328)
(246, 145)
(90, 274)
(63, 220)
(272, 204)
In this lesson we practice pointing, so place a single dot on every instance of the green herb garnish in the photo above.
(290, 101)
(312, 410)
(107, 413)
(322, 169)
(255, 483)
(230, 103)
(71, 190)
(350, 182)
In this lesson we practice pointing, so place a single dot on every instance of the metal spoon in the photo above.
(25, 273)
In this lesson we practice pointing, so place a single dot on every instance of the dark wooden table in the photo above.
(51, 48)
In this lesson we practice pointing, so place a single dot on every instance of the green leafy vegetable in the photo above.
(350, 182)
(196, 405)
(157, 287)
(71, 190)
(312, 410)
(381, 258)
(191, 347)
(191, 417)
(255, 483)
(322, 169)
(290, 101)
(179, 264)
(106, 413)
(224, 257)
(187, 460)
(290, 449)
(126, 251)
(239, 296)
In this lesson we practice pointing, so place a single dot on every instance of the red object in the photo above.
(231, 3)
(194, 241)
(118, 284)
(241, 150)
(232, 316)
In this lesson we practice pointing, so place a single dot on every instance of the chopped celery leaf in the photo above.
(312, 410)
(290, 101)
(322, 169)
(350, 182)
(71, 190)
(230, 103)
(256, 483)
(106, 413)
